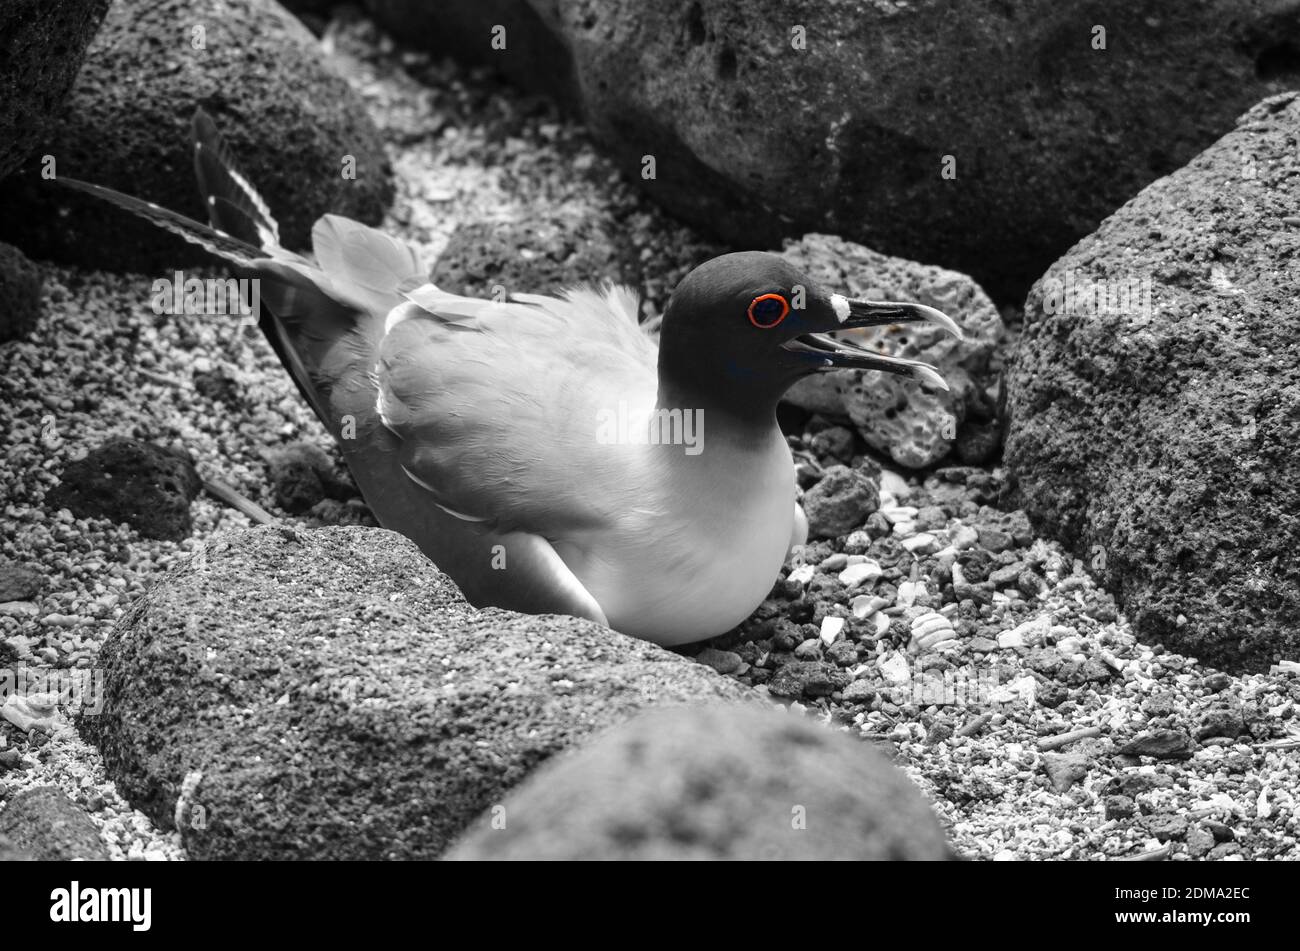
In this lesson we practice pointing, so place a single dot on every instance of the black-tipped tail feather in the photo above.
(233, 204)
(320, 317)
(218, 242)
(285, 294)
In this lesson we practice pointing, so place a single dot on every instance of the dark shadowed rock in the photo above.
(1161, 744)
(20, 293)
(768, 119)
(42, 43)
(1222, 721)
(330, 695)
(289, 119)
(47, 825)
(713, 783)
(314, 14)
(126, 480)
(799, 679)
(1119, 807)
(977, 442)
(303, 476)
(1157, 431)
(525, 48)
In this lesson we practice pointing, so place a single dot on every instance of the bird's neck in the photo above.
(739, 418)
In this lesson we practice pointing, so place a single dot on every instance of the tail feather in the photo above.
(320, 317)
(233, 203)
(235, 250)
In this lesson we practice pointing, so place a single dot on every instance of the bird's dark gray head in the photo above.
(742, 328)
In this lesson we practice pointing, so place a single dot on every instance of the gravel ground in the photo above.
(101, 363)
(1058, 734)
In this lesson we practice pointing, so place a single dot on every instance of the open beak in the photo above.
(837, 354)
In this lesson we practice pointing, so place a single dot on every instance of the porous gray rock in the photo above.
(916, 425)
(713, 783)
(1154, 400)
(42, 43)
(46, 825)
(290, 120)
(330, 694)
(985, 136)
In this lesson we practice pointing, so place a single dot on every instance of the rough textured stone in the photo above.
(1221, 722)
(20, 293)
(287, 116)
(714, 783)
(757, 139)
(1164, 826)
(724, 662)
(1199, 843)
(126, 480)
(799, 679)
(18, 582)
(9, 852)
(917, 426)
(46, 824)
(303, 476)
(840, 502)
(1161, 744)
(42, 43)
(329, 694)
(1065, 769)
(1119, 807)
(1159, 437)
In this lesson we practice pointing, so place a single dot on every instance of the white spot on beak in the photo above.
(840, 304)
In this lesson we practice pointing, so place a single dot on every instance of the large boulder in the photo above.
(1154, 399)
(42, 43)
(916, 425)
(330, 695)
(289, 119)
(715, 783)
(769, 121)
(509, 36)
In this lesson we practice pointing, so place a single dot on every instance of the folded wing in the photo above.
(500, 407)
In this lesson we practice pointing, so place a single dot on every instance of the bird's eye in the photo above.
(768, 310)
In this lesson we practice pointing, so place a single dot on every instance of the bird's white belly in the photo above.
(697, 564)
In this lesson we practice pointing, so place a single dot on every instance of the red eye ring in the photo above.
(785, 309)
